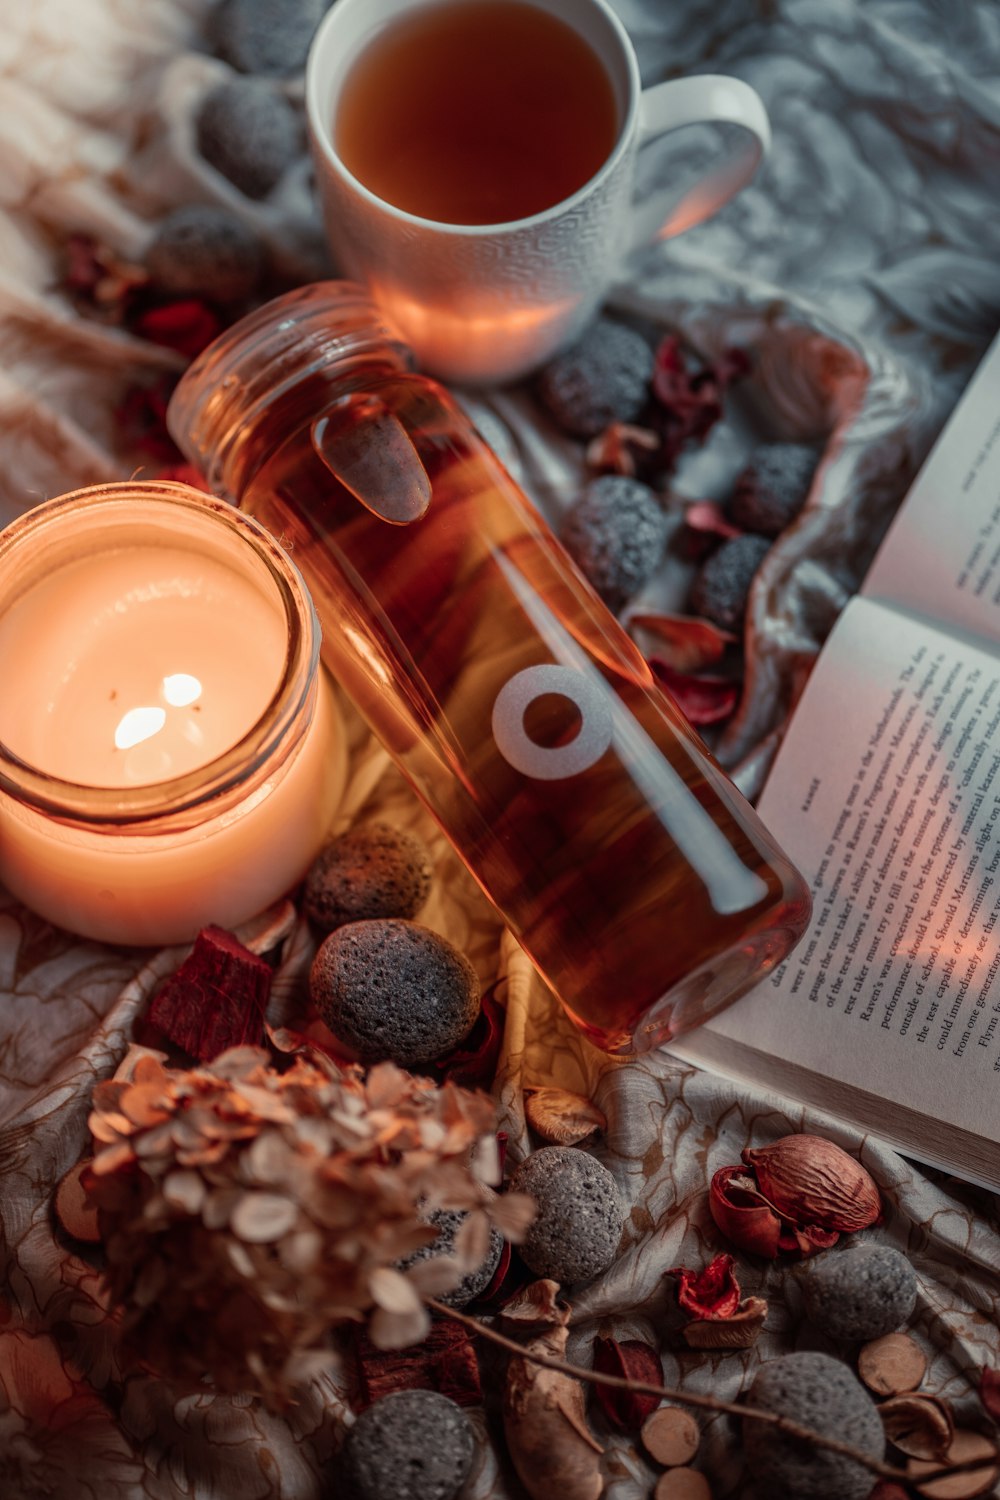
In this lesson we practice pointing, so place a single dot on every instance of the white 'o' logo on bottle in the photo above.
(543, 762)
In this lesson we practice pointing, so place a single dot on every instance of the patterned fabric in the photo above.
(863, 270)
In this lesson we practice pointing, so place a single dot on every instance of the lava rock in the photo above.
(578, 1226)
(447, 1222)
(721, 586)
(860, 1292)
(603, 378)
(249, 133)
(410, 1445)
(822, 1393)
(616, 533)
(772, 489)
(373, 870)
(205, 252)
(393, 989)
(265, 36)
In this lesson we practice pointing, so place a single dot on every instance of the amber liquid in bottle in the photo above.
(623, 859)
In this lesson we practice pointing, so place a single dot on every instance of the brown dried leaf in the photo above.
(562, 1118)
(536, 1305)
(513, 1214)
(549, 1442)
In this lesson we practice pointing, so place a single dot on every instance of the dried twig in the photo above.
(708, 1403)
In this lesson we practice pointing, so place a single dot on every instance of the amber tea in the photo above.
(480, 112)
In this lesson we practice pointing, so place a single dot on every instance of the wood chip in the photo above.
(919, 1426)
(562, 1118)
(893, 1364)
(75, 1214)
(671, 1436)
(682, 1484)
(965, 1445)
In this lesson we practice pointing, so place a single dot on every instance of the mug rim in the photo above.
(322, 138)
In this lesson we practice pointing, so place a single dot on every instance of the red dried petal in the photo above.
(141, 417)
(473, 1063)
(708, 516)
(83, 269)
(702, 699)
(188, 325)
(690, 642)
(809, 1239)
(509, 1278)
(444, 1361)
(690, 402)
(989, 1392)
(712, 1292)
(216, 999)
(630, 1359)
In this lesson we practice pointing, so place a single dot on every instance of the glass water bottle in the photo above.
(642, 885)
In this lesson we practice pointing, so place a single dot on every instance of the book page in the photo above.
(886, 793)
(941, 556)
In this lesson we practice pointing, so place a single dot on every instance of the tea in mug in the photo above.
(476, 113)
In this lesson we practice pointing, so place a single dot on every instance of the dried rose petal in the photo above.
(612, 451)
(744, 1217)
(444, 1361)
(702, 699)
(690, 403)
(216, 999)
(473, 1064)
(141, 418)
(684, 642)
(712, 1292)
(629, 1359)
(989, 1392)
(187, 326)
(812, 1181)
(707, 516)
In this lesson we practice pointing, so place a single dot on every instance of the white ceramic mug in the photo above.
(487, 303)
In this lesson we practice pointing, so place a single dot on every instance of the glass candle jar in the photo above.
(642, 885)
(170, 749)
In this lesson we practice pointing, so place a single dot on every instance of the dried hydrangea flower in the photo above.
(246, 1211)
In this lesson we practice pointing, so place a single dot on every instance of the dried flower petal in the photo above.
(629, 1359)
(562, 1118)
(537, 1306)
(262, 1218)
(616, 449)
(684, 642)
(187, 325)
(701, 698)
(708, 517)
(989, 1392)
(74, 1207)
(712, 1292)
(513, 1214)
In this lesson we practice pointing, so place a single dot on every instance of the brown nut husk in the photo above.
(753, 1224)
(738, 1330)
(965, 1446)
(919, 1426)
(562, 1118)
(810, 1180)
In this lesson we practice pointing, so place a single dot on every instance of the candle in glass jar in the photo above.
(169, 747)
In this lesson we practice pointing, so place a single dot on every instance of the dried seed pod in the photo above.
(919, 1426)
(891, 1365)
(561, 1118)
(633, 1360)
(810, 1180)
(737, 1330)
(965, 1446)
(671, 1436)
(549, 1442)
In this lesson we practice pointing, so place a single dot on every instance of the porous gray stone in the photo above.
(603, 378)
(204, 251)
(859, 1293)
(578, 1226)
(373, 870)
(821, 1393)
(616, 533)
(721, 586)
(447, 1222)
(390, 989)
(411, 1445)
(250, 133)
(265, 36)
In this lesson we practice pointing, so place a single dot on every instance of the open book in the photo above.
(886, 793)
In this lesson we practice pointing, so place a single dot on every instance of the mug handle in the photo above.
(707, 98)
